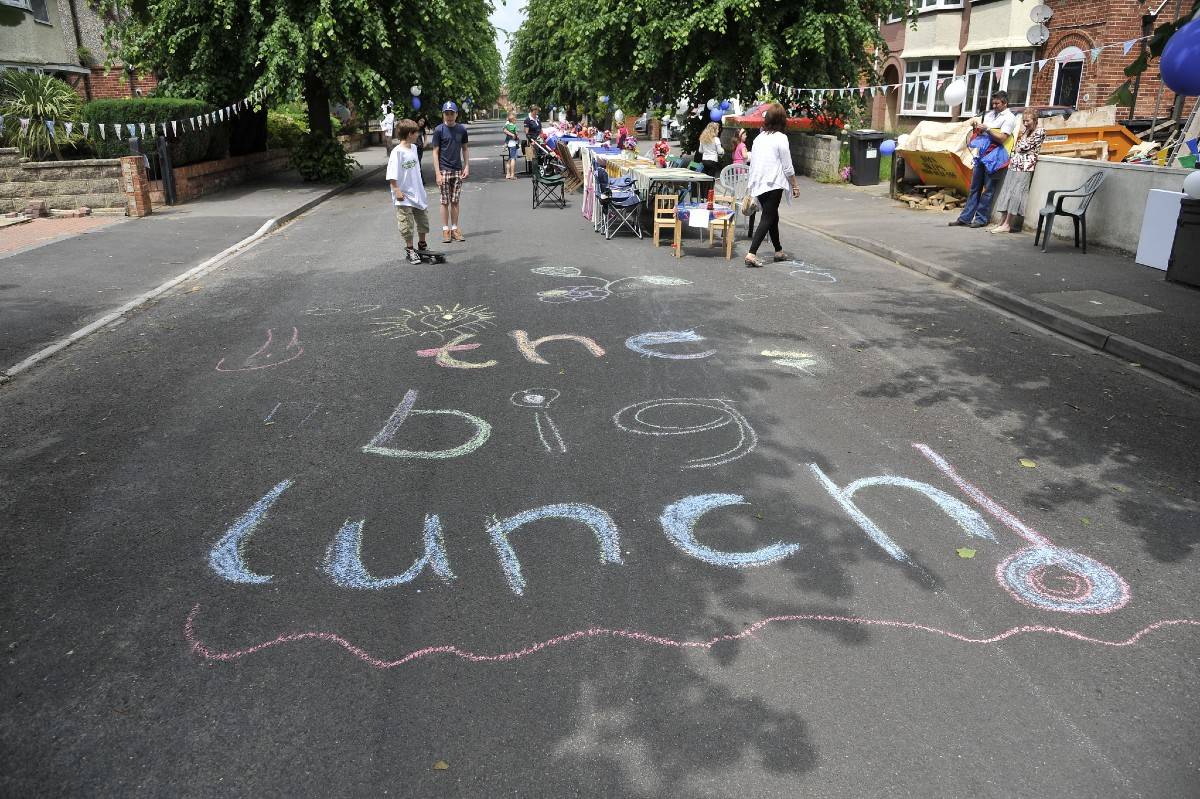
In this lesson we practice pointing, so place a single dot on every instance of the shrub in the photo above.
(38, 98)
(207, 143)
(322, 159)
(284, 131)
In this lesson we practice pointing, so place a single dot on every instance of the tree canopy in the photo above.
(643, 52)
(358, 50)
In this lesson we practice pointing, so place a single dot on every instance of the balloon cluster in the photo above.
(415, 91)
(717, 109)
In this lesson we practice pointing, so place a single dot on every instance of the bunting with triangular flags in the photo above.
(24, 124)
(50, 127)
(1127, 46)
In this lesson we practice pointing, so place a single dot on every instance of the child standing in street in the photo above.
(408, 191)
(453, 167)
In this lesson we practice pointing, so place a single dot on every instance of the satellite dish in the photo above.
(1041, 13)
(1038, 35)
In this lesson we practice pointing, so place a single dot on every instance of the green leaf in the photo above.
(965, 552)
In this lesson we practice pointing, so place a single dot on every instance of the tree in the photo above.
(356, 50)
(656, 51)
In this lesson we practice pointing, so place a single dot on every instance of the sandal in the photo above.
(781, 256)
(753, 260)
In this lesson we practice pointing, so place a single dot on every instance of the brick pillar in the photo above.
(135, 185)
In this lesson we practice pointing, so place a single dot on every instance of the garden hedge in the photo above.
(206, 144)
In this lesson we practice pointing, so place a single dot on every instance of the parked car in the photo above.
(671, 126)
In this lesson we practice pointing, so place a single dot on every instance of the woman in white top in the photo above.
(770, 174)
(710, 148)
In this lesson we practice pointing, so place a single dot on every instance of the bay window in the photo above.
(921, 95)
(981, 87)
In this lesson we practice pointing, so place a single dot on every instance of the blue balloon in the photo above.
(716, 114)
(1180, 60)
(887, 147)
(725, 105)
(416, 103)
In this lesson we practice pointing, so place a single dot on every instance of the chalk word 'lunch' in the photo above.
(1042, 575)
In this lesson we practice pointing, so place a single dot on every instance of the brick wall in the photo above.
(206, 177)
(1092, 23)
(107, 84)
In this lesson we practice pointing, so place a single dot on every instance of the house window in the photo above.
(40, 12)
(23, 4)
(981, 87)
(1068, 74)
(922, 94)
(923, 6)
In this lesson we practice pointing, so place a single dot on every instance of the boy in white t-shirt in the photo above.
(408, 190)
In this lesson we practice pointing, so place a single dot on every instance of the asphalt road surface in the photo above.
(326, 524)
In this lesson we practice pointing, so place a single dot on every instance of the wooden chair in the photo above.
(574, 175)
(727, 226)
(664, 214)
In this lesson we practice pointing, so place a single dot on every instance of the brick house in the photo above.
(65, 38)
(956, 37)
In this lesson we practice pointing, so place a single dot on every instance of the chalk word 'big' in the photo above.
(1041, 575)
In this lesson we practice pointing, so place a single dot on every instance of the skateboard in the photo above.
(429, 257)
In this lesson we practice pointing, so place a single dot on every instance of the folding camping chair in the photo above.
(619, 210)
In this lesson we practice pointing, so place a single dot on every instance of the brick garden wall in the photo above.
(197, 180)
(94, 183)
(113, 84)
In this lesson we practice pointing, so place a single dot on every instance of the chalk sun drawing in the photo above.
(810, 273)
(1043, 575)
(435, 320)
(378, 444)
(631, 420)
(202, 650)
(265, 357)
(540, 399)
(594, 293)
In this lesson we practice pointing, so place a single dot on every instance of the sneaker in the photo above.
(414, 257)
(422, 246)
(978, 224)
(457, 235)
(957, 223)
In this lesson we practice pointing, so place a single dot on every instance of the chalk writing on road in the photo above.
(435, 320)
(646, 343)
(813, 274)
(594, 292)
(633, 419)
(443, 356)
(379, 444)
(267, 355)
(540, 399)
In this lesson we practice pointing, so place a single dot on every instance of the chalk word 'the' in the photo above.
(1041, 575)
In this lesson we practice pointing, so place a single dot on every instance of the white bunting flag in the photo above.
(174, 129)
(24, 124)
(221, 114)
(1095, 54)
(142, 128)
(100, 127)
(1125, 48)
(68, 126)
(912, 85)
(50, 127)
(86, 125)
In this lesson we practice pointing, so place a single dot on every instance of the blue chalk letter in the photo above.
(642, 343)
(343, 559)
(226, 556)
(601, 525)
(679, 520)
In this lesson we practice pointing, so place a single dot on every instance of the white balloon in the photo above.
(1191, 185)
(619, 116)
(956, 92)
(712, 104)
(415, 90)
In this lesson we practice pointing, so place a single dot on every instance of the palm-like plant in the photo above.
(38, 98)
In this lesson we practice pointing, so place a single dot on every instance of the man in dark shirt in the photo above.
(452, 161)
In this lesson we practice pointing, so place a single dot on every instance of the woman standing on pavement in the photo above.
(771, 172)
(1015, 190)
(711, 149)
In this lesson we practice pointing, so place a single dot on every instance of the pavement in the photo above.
(335, 525)
(49, 290)
(1102, 299)
(40, 231)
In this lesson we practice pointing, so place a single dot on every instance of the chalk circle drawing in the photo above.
(540, 399)
(594, 293)
(265, 357)
(435, 320)
(202, 650)
(378, 444)
(643, 343)
(1043, 575)
(813, 274)
(800, 361)
(632, 419)
(442, 355)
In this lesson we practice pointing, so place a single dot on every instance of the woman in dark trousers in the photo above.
(421, 131)
(771, 173)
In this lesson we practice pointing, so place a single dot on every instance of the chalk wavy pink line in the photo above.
(646, 638)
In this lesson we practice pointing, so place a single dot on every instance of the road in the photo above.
(322, 522)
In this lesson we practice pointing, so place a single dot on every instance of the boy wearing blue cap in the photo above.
(452, 161)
